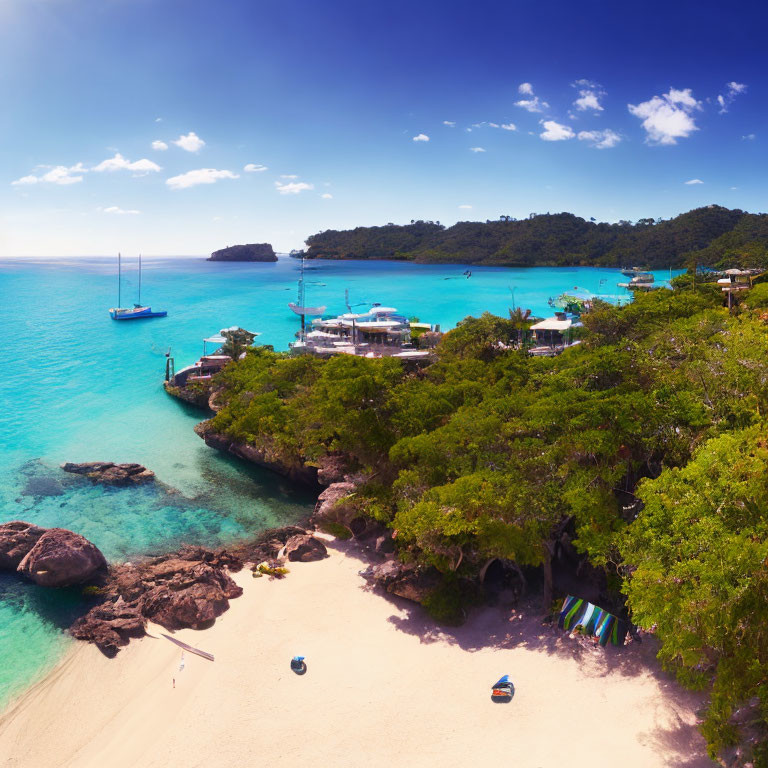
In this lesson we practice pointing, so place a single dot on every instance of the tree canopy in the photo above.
(711, 236)
(647, 440)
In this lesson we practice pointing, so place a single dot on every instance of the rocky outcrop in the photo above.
(331, 469)
(305, 548)
(251, 252)
(404, 580)
(197, 395)
(189, 588)
(16, 539)
(61, 558)
(262, 457)
(109, 473)
(327, 507)
(267, 545)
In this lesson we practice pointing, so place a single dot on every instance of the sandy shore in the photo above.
(383, 688)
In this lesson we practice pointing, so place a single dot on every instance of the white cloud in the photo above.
(119, 163)
(292, 187)
(532, 105)
(669, 117)
(327, 196)
(255, 168)
(160, 146)
(600, 139)
(476, 149)
(554, 131)
(693, 181)
(732, 90)
(190, 143)
(466, 207)
(288, 176)
(158, 119)
(589, 98)
(485, 124)
(748, 137)
(60, 175)
(199, 176)
(120, 211)
(450, 123)
(421, 137)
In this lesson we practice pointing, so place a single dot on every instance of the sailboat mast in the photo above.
(119, 280)
(139, 279)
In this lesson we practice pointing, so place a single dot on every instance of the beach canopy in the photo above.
(217, 339)
(593, 621)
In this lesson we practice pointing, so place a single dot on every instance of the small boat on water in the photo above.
(137, 311)
(642, 282)
(634, 272)
(299, 307)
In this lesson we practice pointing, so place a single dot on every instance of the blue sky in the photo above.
(172, 127)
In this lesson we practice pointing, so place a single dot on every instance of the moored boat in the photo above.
(137, 311)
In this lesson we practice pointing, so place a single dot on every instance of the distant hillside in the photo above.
(710, 236)
(252, 252)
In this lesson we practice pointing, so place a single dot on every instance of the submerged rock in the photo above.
(305, 548)
(61, 558)
(16, 539)
(109, 473)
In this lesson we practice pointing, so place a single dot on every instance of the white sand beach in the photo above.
(384, 687)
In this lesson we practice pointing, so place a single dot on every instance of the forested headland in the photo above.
(646, 447)
(712, 236)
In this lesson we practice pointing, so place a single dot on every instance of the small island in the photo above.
(251, 252)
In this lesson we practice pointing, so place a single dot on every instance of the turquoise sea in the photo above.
(77, 386)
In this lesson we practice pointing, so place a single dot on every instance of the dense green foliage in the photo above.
(711, 236)
(648, 440)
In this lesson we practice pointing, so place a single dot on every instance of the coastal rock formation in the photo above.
(327, 502)
(193, 395)
(267, 545)
(251, 252)
(109, 473)
(260, 456)
(61, 558)
(16, 539)
(331, 469)
(189, 588)
(404, 580)
(187, 595)
(305, 548)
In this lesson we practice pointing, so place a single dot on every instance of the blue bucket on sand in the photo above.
(298, 665)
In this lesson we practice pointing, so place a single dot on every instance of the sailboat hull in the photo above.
(138, 313)
(306, 310)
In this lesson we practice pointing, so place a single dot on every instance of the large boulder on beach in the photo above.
(406, 580)
(191, 597)
(110, 625)
(110, 473)
(16, 539)
(61, 558)
(188, 588)
(305, 548)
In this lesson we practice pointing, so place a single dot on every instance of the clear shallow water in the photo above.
(77, 386)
